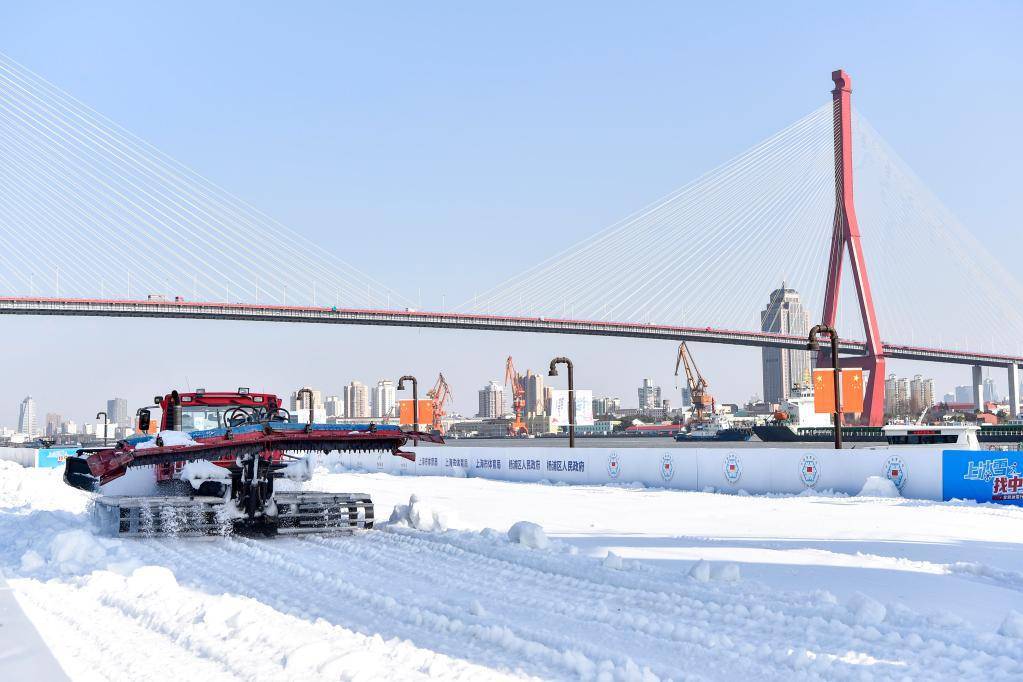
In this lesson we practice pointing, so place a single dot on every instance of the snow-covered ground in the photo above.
(629, 584)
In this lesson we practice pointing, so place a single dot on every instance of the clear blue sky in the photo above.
(468, 141)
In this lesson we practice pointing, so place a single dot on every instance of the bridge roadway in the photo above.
(414, 318)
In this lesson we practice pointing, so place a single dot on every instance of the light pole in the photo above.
(814, 346)
(308, 392)
(105, 422)
(415, 402)
(571, 394)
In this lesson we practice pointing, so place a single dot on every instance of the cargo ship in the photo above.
(801, 424)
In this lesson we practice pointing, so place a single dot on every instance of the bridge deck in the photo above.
(414, 318)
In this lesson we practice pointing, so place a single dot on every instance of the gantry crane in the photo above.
(518, 384)
(440, 394)
(698, 393)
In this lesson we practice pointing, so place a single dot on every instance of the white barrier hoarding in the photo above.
(915, 471)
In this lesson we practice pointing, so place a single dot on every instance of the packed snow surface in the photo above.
(632, 584)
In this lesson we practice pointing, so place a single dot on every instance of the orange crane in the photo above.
(440, 394)
(518, 384)
(698, 393)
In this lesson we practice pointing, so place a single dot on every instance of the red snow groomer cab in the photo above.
(252, 438)
(202, 411)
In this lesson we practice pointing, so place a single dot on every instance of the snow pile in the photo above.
(421, 515)
(727, 573)
(169, 438)
(201, 470)
(529, 534)
(879, 486)
(866, 611)
(700, 571)
(299, 470)
(613, 561)
(76, 551)
(1012, 626)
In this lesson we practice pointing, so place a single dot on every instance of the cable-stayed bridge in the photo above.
(697, 265)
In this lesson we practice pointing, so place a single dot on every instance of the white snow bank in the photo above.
(529, 534)
(1012, 626)
(421, 515)
(878, 486)
(866, 611)
(201, 470)
(169, 438)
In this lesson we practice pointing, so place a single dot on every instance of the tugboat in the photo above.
(718, 428)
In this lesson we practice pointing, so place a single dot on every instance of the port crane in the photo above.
(440, 394)
(701, 398)
(518, 385)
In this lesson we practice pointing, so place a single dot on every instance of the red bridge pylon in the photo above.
(846, 235)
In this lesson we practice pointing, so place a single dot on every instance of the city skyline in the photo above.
(905, 396)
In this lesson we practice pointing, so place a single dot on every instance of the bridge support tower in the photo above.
(978, 388)
(1014, 390)
(846, 238)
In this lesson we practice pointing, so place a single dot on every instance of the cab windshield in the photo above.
(202, 417)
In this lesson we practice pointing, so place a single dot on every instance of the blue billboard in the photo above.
(984, 476)
(53, 457)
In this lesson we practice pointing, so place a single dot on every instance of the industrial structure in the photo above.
(518, 387)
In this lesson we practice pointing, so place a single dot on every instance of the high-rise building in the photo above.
(649, 395)
(357, 400)
(383, 399)
(491, 399)
(964, 394)
(891, 406)
(302, 402)
(784, 369)
(921, 394)
(334, 406)
(53, 424)
(117, 411)
(948, 398)
(606, 405)
(535, 404)
(991, 391)
(27, 419)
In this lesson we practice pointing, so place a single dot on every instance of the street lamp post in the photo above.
(813, 345)
(415, 402)
(571, 394)
(106, 421)
(312, 406)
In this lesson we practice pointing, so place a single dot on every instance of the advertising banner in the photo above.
(583, 407)
(824, 390)
(53, 457)
(406, 417)
(984, 476)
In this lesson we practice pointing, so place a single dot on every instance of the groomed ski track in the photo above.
(401, 603)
